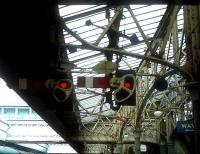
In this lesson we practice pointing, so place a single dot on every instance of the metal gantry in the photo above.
(158, 52)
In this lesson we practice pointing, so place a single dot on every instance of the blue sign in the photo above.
(185, 126)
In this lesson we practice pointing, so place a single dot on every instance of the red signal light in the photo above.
(127, 85)
(63, 85)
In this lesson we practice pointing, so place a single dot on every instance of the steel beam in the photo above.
(84, 14)
(108, 26)
(159, 33)
(171, 22)
(124, 2)
(109, 140)
(139, 28)
(175, 40)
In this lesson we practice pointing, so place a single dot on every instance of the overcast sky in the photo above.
(9, 96)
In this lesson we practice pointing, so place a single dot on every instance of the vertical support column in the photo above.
(137, 135)
(112, 149)
(196, 112)
(188, 50)
(170, 142)
(163, 148)
(195, 16)
(192, 33)
(124, 148)
(195, 32)
(196, 115)
(120, 147)
(170, 146)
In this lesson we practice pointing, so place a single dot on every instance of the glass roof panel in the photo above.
(148, 16)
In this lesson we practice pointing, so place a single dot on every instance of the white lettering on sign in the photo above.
(187, 126)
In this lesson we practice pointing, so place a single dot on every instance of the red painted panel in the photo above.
(81, 81)
(36, 85)
(98, 82)
(101, 82)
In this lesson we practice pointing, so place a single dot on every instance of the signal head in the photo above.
(126, 90)
(62, 90)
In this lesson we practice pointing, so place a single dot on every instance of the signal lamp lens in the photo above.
(63, 85)
(127, 85)
(60, 94)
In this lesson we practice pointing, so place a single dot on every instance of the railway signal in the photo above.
(125, 94)
(62, 90)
